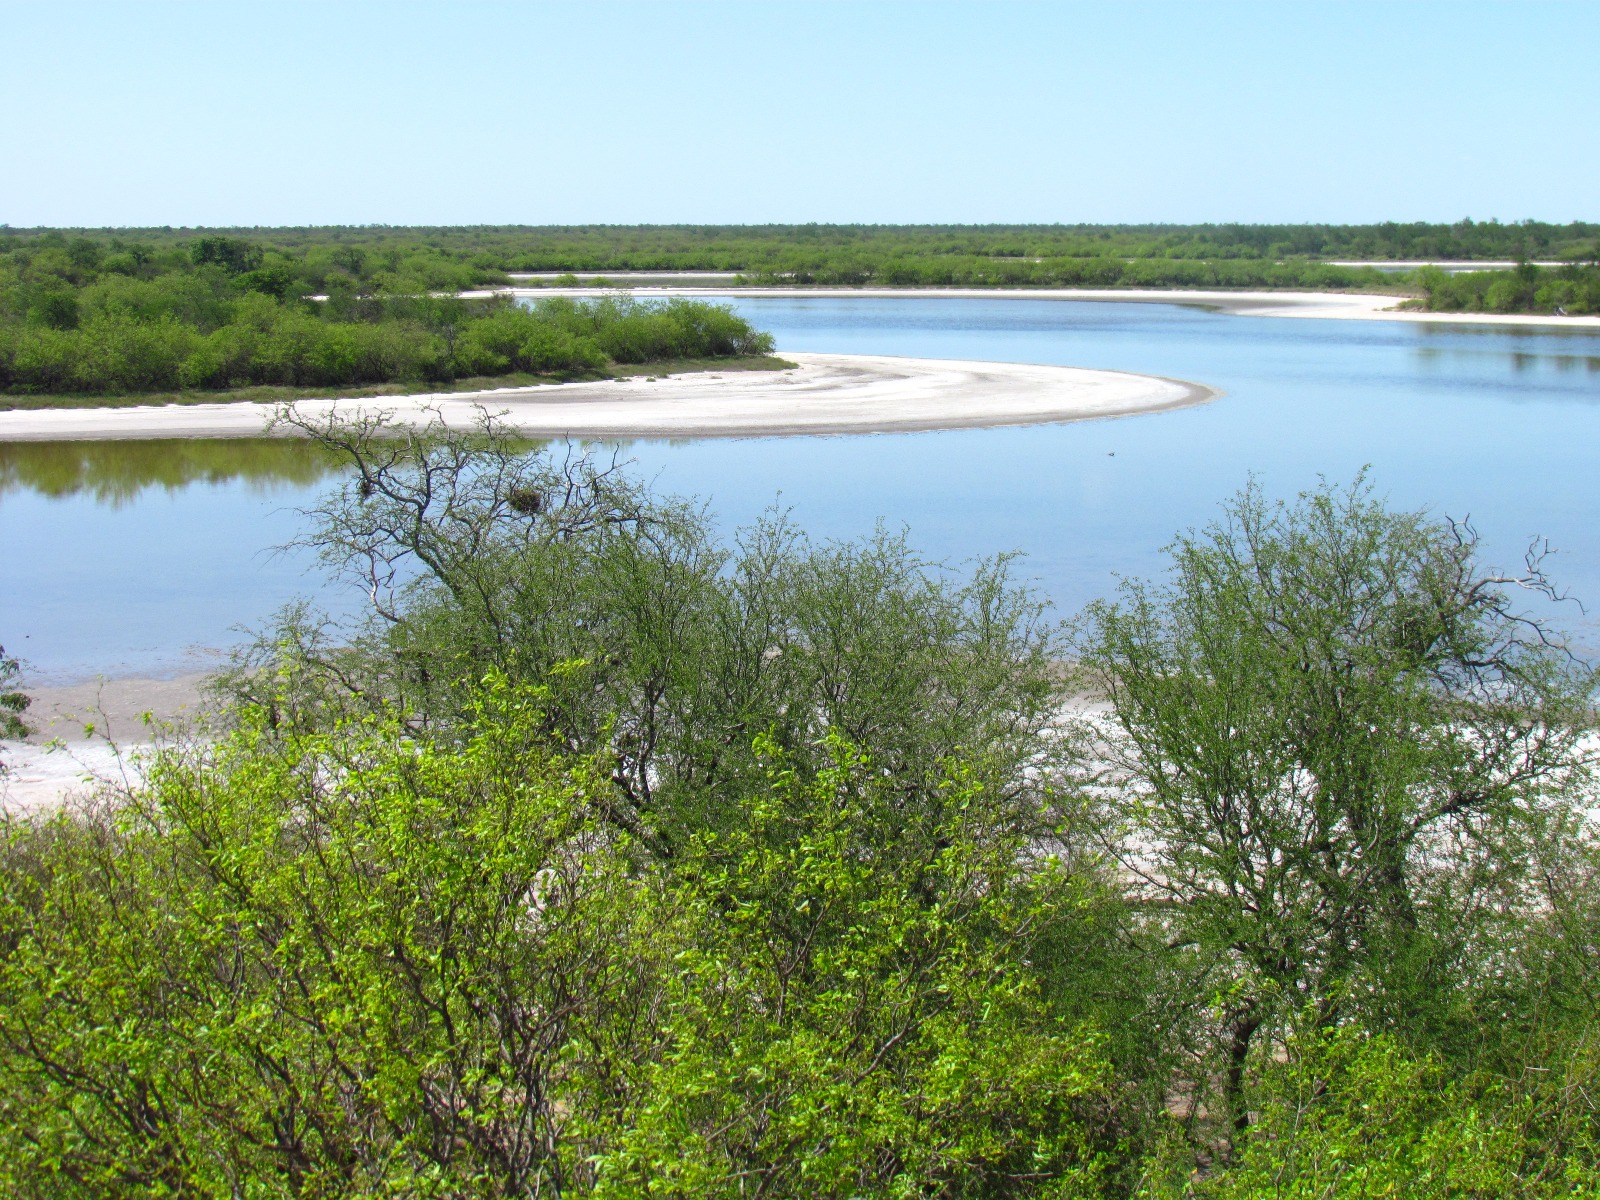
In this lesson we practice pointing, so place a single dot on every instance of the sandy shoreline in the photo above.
(825, 394)
(1340, 306)
(40, 774)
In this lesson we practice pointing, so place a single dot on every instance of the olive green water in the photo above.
(116, 474)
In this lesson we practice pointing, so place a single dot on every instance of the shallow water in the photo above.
(118, 563)
(141, 557)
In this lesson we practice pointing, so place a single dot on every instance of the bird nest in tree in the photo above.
(527, 501)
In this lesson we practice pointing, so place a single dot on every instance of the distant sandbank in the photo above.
(1344, 306)
(823, 394)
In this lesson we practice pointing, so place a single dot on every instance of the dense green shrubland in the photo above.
(1573, 290)
(609, 859)
(954, 271)
(457, 256)
(786, 247)
(229, 314)
(166, 310)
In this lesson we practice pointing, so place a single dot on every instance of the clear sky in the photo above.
(233, 112)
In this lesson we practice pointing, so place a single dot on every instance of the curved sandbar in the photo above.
(825, 394)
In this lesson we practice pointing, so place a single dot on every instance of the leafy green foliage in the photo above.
(694, 648)
(233, 255)
(331, 966)
(232, 314)
(1573, 290)
(462, 256)
(1096, 271)
(609, 859)
(857, 1015)
(353, 963)
(1353, 1115)
(1332, 741)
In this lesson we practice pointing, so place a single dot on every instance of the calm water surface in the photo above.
(125, 559)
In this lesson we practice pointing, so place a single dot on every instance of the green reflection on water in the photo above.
(116, 472)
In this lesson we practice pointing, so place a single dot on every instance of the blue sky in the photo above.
(453, 113)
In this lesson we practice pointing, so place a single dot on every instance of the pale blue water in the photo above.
(1501, 425)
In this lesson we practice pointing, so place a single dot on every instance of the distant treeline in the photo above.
(152, 310)
(1075, 272)
(1573, 290)
(82, 316)
(277, 263)
(461, 255)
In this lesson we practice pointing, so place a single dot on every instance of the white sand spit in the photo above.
(825, 394)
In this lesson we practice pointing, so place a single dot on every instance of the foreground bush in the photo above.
(1353, 1115)
(1342, 752)
(355, 964)
(605, 857)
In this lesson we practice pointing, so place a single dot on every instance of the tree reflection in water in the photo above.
(116, 472)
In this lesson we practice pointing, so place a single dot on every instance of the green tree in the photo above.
(1330, 736)
(479, 554)
(233, 255)
(56, 309)
(342, 964)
